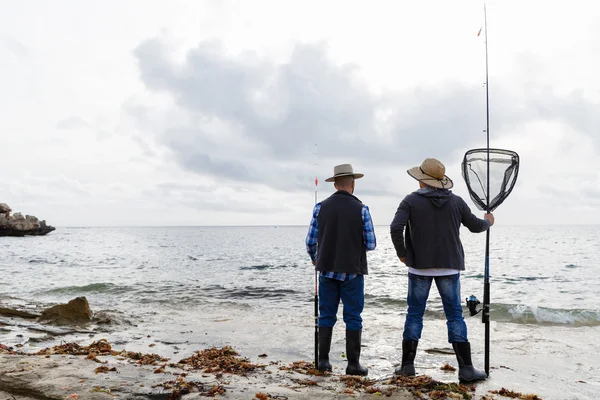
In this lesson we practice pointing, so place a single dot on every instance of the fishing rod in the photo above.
(486, 280)
(472, 301)
(316, 276)
(506, 170)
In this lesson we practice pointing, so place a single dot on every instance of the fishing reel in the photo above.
(472, 304)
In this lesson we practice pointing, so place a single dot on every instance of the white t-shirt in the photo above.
(433, 271)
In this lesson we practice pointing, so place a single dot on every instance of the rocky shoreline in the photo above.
(74, 370)
(19, 225)
(97, 372)
(123, 375)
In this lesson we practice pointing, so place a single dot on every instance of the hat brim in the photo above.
(356, 176)
(445, 183)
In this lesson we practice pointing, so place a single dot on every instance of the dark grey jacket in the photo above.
(432, 218)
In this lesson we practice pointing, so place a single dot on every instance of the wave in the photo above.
(511, 313)
(267, 266)
(220, 292)
(511, 280)
(41, 260)
(91, 288)
(384, 301)
(523, 314)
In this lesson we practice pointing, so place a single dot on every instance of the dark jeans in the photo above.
(418, 292)
(352, 294)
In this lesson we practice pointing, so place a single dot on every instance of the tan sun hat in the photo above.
(343, 170)
(432, 173)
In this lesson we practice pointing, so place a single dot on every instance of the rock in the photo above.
(5, 209)
(9, 312)
(19, 225)
(76, 311)
(102, 318)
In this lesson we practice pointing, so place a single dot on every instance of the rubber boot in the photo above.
(353, 339)
(325, 333)
(409, 351)
(466, 371)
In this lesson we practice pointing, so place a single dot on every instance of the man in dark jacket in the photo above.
(341, 231)
(432, 250)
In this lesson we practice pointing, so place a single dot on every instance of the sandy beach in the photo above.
(109, 376)
(99, 371)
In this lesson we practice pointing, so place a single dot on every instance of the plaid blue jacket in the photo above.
(369, 240)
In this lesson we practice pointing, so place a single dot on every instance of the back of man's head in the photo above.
(344, 182)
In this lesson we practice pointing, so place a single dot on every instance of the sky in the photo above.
(222, 112)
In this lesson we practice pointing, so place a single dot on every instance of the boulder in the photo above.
(10, 312)
(75, 312)
(19, 225)
(5, 209)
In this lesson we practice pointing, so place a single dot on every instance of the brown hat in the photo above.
(432, 173)
(343, 170)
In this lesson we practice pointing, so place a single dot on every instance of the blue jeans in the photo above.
(352, 294)
(418, 292)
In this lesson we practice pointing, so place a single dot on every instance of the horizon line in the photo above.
(279, 225)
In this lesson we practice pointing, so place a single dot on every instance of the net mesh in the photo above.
(504, 168)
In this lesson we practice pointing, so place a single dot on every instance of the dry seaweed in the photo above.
(306, 382)
(423, 384)
(515, 395)
(182, 387)
(303, 367)
(213, 391)
(100, 348)
(6, 350)
(448, 367)
(224, 360)
(104, 369)
(379, 391)
(356, 382)
(506, 393)
(161, 369)
(73, 349)
(93, 356)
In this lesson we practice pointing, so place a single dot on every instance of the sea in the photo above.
(174, 290)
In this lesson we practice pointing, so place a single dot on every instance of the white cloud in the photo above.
(208, 112)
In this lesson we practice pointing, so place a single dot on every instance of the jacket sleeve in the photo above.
(468, 219)
(397, 227)
(369, 238)
(313, 234)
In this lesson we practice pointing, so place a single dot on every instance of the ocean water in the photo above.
(184, 288)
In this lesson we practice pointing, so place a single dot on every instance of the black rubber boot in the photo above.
(353, 339)
(324, 346)
(409, 351)
(466, 371)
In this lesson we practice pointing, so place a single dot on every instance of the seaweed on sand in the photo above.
(100, 348)
(182, 387)
(356, 382)
(303, 367)
(224, 360)
(515, 395)
(104, 369)
(423, 384)
(367, 385)
(306, 382)
(6, 350)
(448, 368)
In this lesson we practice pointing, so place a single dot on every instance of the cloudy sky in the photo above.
(208, 112)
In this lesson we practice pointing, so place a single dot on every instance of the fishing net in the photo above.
(504, 168)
